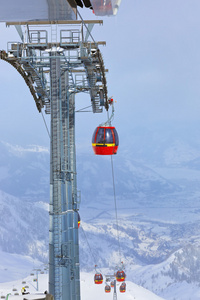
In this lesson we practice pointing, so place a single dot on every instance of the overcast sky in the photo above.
(153, 57)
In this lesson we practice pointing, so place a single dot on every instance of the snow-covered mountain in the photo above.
(23, 226)
(175, 278)
(24, 171)
(157, 191)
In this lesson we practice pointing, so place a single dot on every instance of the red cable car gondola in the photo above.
(105, 140)
(112, 284)
(98, 278)
(107, 288)
(122, 288)
(120, 276)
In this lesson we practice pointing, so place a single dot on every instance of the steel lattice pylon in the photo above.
(63, 242)
(54, 72)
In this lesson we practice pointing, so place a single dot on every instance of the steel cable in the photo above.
(115, 203)
(90, 249)
(46, 125)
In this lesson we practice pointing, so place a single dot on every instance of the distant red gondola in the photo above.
(122, 288)
(98, 278)
(112, 284)
(120, 276)
(105, 140)
(107, 288)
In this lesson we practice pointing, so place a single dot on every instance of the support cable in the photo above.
(90, 249)
(96, 44)
(115, 201)
(83, 109)
(45, 124)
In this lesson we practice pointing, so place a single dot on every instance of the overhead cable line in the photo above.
(83, 109)
(87, 29)
(115, 203)
(90, 249)
(45, 124)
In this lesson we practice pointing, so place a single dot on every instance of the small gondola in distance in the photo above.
(122, 287)
(105, 140)
(120, 276)
(107, 289)
(98, 278)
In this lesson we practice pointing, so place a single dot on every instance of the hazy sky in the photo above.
(153, 57)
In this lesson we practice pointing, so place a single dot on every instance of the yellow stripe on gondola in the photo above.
(103, 145)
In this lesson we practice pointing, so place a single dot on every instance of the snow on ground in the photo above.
(188, 291)
(17, 271)
(133, 291)
(89, 290)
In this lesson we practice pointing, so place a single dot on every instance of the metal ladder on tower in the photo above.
(70, 88)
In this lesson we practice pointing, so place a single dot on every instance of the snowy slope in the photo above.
(89, 290)
(24, 171)
(23, 226)
(175, 278)
(18, 268)
(15, 266)
(147, 237)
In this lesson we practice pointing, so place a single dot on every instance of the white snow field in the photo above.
(89, 291)
(16, 270)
